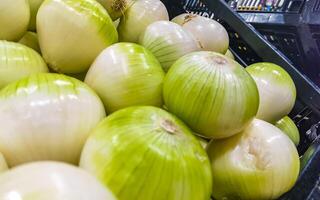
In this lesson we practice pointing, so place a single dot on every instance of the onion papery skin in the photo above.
(34, 7)
(3, 164)
(211, 93)
(51, 181)
(30, 39)
(146, 153)
(18, 61)
(276, 90)
(116, 8)
(47, 117)
(259, 163)
(126, 74)
(14, 19)
(138, 17)
(210, 34)
(288, 127)
(72, 33)
(229, 54)
(168, 42)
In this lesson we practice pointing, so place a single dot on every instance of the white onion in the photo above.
(276, 90)
(212, 93)
(138, 17)
(30, 39)
(14, 19)
(51, 181)
(146, 153)
(210, 34)
(288, 127)
(259, 163)
(229, 54)
(126, 74)
(18, 61)
(3, 164)
(168, 42)
(46, 117)
(72, 33)
(34, 6)
(116, 8)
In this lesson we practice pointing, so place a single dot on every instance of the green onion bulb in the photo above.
(14, 19)
(276, 89)
(72, 33)
(34, 7)
(146, 153)
(51, 181)
(30, 39)
(3, 164)
(116, 8)
(229, 54)
(288, 127)
(46, 117)
(258, 163)
(168, 42)
(210, 34)
(212, 93)
(138, 17)
(126, 74)
(18, 61)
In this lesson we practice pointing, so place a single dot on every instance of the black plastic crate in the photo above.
(249, 46)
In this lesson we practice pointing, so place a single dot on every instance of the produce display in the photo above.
(109, 100)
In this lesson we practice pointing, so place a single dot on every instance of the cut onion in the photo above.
(212, 93)
(46, 117)
(259, 163)
(145, 152)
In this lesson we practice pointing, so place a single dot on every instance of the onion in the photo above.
(147, 153)
(3, 164)
(126, 74)
(229, 54)
(14, 19)
(168, 42)
(259, 163)
(210, 34)
(138, 17)
(51, 180)
(30, 39)
(213, 94)
(18, 61)
(276, 89)
(34, 6)
(288, 127)
(46, 117)
(116, 8)
(72, 33)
